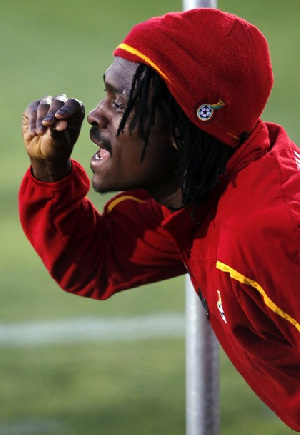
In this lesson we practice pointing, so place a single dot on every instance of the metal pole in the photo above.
(202, 349)
(202, 369)
(192, 4)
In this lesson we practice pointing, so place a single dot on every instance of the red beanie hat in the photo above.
(216, 65)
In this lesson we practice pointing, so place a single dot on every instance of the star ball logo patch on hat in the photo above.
(206, 111)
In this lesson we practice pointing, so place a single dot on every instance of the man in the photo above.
(208, 189)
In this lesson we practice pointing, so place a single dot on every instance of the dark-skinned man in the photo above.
(207, 188)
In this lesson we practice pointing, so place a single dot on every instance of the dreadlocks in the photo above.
(203, 158)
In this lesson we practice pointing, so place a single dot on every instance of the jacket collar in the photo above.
(252, 149)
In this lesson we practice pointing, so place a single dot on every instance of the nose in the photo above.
(96, 117)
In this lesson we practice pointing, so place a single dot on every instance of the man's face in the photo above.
(117, 164)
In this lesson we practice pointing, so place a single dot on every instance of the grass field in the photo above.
(118, 386)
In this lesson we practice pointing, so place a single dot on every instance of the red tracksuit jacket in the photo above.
(242, 252)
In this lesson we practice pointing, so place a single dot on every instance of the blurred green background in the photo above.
(118, 386)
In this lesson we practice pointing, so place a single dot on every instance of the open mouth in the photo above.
(104, 151)
(101, 154)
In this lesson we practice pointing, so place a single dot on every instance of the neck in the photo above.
(170, 196)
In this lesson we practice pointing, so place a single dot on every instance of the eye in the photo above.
(118, 104)
(115, 102)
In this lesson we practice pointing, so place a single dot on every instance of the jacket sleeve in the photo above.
(90, 254)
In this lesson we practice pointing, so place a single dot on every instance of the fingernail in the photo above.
(62, 111)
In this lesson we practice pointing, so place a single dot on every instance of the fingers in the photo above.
(46, 112)
(72, 107)
(31, 115)
(53, 112)
(71, 110)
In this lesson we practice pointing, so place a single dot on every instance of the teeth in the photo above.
(97, 156)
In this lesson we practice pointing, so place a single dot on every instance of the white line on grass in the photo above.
(91, 329)
(37, 426)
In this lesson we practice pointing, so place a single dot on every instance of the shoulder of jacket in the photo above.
(133, 201)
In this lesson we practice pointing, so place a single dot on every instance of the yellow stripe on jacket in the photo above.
(234, 274)
(119, 199)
